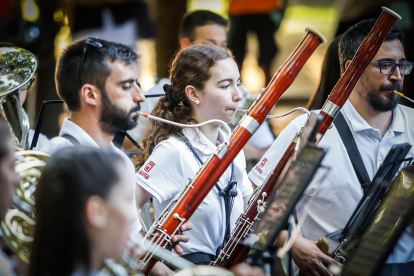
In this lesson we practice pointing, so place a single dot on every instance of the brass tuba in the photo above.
(17, 67)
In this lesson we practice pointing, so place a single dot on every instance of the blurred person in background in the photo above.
(353, 11)
(262, 17)
(122, 21)
(206, 25)
(9, 180)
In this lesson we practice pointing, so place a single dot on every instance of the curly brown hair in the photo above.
(190, 66)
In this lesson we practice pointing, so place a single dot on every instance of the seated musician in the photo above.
(377, 122)
(9, 180)
(98, 81)
(82, 212)
(204, 86)
(206, 25)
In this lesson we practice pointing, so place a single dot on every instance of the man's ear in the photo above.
(347, 63)
(184, 42)
(192, 93)
(90, 94)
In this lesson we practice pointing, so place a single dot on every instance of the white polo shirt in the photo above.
(338, 195)
(72, 129)
(170, 168)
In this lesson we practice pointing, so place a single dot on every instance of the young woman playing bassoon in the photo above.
(204, 86)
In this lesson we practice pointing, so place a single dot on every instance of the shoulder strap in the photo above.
(353, 152)
(228, 200)
(71, 139)
(182, 137)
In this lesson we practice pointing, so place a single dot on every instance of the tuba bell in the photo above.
(17, 67)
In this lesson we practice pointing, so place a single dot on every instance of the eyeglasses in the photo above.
(29, 84)
(388, 67)
(90, 41)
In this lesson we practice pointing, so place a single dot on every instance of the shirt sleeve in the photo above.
(246, 184)
(272, 156)
(162, 175)
(263, 137)
(54, 145)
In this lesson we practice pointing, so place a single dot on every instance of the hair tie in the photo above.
(168, 93)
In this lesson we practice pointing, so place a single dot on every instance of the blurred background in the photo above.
(46, 27)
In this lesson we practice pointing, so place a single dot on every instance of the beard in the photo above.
(114, 118)
(378, 103)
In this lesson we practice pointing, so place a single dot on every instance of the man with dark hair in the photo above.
(377, 122)
(9, 180)
(98, 80)
(203, 24)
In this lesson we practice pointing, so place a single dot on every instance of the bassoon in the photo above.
(364, 55)
(233, 254)
(186, 202)
(235, 251)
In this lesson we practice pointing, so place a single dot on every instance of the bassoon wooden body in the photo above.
(232, 253)
(185, 204)
(235, 251)
(364, 55)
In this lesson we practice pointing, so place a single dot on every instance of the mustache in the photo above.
(394, 86)
(135, 109)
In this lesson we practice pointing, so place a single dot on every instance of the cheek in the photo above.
(122, 219)
(119, 221)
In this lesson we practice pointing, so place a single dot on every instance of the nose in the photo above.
(396, 75)
(237, 94)
(138, 95)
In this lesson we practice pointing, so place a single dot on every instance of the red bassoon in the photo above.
(235, 251)
(359, 63)
(185, 204)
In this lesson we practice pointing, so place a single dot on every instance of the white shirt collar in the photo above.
(200, 141)
(72, 129)
(397, 124)
(357, 123)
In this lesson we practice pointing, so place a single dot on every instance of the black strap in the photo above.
(71, 139)
(353, 152)
(228, 200)
(199, 258)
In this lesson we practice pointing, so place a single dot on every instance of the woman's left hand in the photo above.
(177, 238)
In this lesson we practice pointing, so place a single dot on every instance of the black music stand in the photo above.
(367, 205)
(286, 194)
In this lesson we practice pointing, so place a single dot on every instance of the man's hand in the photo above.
(243, 269)
(177, 238)
(310, 259)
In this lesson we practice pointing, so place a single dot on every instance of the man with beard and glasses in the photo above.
(377, 122)
(98, 81)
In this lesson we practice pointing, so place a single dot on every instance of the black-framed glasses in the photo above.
(28, 85)
(89, 41)
(388, 67)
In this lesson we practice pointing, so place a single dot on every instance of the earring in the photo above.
(100, 221)
(197, 101)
